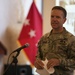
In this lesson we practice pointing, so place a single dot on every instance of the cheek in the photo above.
(61, 21)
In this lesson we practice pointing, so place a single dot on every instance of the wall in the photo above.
(47, 5)
(10, 23)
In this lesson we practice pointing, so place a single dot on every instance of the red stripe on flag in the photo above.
(31, 32)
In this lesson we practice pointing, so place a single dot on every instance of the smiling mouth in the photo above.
(54, 24)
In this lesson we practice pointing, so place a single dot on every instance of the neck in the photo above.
(57, 30)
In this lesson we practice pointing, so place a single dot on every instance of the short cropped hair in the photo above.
(62, 9)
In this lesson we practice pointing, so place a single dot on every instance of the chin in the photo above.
(54, 27)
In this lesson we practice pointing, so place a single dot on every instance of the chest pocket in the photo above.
(62, 47)
(45, 48)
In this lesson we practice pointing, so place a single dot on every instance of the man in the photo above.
(58, 46)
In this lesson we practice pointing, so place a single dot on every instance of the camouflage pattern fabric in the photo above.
(60, 46)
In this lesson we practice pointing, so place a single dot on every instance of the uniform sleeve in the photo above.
(39, 52)
(69, 62)
(42, 41)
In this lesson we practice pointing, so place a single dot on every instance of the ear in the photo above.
(65, 20)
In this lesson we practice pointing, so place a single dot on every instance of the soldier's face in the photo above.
(57, 19)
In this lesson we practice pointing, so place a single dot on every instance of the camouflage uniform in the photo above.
(60, 46)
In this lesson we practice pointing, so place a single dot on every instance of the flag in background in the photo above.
(31, 32)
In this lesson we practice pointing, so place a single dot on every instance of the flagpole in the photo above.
(34, 1)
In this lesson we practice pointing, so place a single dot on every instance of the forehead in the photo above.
(57, 12)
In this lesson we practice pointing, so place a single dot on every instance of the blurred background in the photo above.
(13, 19)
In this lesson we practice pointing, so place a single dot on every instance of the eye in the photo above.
(52, 16)
(57, 17)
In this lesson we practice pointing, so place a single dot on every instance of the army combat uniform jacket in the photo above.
(60, 46)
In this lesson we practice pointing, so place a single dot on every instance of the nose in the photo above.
(54, 18)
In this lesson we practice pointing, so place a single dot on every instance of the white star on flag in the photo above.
(27, 22)
(32, 33)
